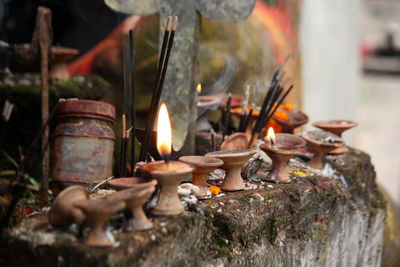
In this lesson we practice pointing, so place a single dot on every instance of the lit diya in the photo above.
(205, 103)
(322, 143)
(168, 173)
(233, 160)
(203, 167)
(281, 148)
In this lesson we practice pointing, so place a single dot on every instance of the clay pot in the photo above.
(169, 176)
(97, 213)
(203, 166)
(284, 148)
(63, 212)
(321, 148)
(84, 143)
(233, 160)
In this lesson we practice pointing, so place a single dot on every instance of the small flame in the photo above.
(271, 135)
(198, 89)
(164, 134)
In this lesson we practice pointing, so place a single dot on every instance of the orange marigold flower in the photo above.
(288, 107)
(215, 190)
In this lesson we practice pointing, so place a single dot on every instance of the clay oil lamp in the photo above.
(233, 160)
(296, 118)
(322, 143)
(281, 148)
(236, 141)
(205, 103)
(135, 196)
(63, 212)
(336, 127)
(61, 55)
(168, 173)
(203, 166)
(97, 213)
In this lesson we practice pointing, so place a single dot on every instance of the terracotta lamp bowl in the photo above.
(236, 141)
(63, 212)
(233, 160)
(322, 143)
(135, 197)
(285, 147)
(129, 182)
(296, 119)
(203, 166)
(335, 126)
(97, 213)
(169, 176)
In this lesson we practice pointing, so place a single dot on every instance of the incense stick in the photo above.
(227, 115)
(155, 99)
(248, 119)
(133, 97)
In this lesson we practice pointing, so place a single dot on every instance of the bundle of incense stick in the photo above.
(133, 97)
(166, 47)
(226, 116)
(243, 116)
(248, 118)
(273, 99)
(124, 148)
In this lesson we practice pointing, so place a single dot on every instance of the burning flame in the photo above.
(271, 135)
(198, 89)
(164, 134)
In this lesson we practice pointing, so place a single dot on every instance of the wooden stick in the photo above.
(42, 39)
(122, 153)
(227, 116)
(154, 100)
(133, 97)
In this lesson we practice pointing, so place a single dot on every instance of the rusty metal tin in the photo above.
(84, 143)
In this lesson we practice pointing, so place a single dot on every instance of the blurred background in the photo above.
(345, 57)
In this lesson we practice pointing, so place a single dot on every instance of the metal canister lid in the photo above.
(89, 107)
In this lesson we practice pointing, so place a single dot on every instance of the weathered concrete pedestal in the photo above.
(314, 221)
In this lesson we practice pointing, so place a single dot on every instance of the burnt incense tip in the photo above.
(175, 24)
(169, 24)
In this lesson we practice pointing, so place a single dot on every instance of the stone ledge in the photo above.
(314, 221)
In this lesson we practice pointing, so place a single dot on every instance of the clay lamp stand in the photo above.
(203, 166)
(63, 212)
(322, 143)
(58, 66)
(98, 212)
(233, 160)
(336, 127)
(284, 147)
(296, 119)
(135, 192)
(169, 175)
